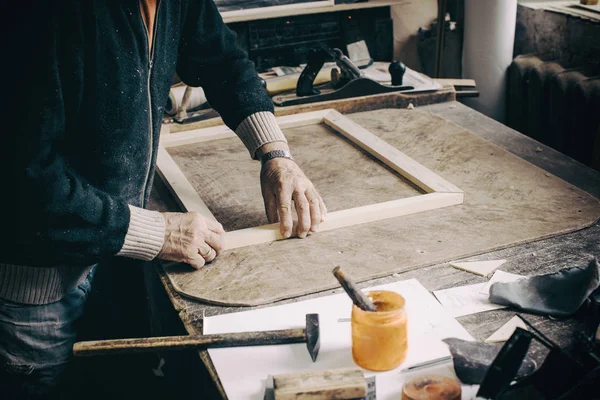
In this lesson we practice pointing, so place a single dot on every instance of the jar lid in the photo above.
(431, 387)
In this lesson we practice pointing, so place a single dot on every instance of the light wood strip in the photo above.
(223, 132)
(181, 189)
(418, 174)
(456, 82)
(349, 217)
(344, 383)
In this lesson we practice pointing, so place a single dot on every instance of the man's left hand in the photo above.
(283, 183)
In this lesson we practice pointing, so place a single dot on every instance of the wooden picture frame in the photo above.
(439, 192)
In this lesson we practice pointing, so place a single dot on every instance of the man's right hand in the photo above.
(191, 238)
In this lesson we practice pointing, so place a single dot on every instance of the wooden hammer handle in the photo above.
(358, 297)
(123, 346)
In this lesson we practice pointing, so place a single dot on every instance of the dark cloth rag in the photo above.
(559, 294)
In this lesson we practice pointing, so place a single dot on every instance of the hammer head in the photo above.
(313, 341)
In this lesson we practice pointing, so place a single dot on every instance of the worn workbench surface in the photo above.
(530, 259)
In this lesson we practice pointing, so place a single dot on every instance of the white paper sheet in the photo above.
(420, 82)
(243, 371)
(465, 300)
(500, 276)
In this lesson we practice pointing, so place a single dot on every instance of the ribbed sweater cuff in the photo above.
(145, 236)
(258, 129)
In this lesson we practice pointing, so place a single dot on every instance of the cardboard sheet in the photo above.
(508, 201)
(243, 371)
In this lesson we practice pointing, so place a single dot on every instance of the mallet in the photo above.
(308, 335)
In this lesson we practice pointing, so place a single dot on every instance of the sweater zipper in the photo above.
(150, 122)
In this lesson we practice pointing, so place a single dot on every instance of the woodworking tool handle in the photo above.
(358, 297)
(316, 59)
(397, 70)
(125, 346)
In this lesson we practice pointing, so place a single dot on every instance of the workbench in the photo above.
(173, 314)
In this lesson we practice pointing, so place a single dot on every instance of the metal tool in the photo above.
(427, 364)
(347, 80)
(567, 373)
(397, 71)
(309, 335)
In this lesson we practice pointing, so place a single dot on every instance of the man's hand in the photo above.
(283, 182)
(191, 238)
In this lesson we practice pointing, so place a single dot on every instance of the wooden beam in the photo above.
(181, 189)
(456, 82)
(424, 178)
(223, 132)
(345, 106)
(350, 217)
(345, 383)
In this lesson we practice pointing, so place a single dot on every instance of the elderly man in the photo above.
(90, 85)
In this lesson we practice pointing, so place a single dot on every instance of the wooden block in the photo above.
(335, 220)
(457, 82)
(321, 385)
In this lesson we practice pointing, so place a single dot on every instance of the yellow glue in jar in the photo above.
(379, 338)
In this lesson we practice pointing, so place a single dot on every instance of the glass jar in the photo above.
(379, 339)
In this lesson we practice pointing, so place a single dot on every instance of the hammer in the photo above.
(308, 335)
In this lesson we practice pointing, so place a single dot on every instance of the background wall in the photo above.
(407, 21)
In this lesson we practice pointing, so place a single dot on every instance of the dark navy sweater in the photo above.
(82, 128)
